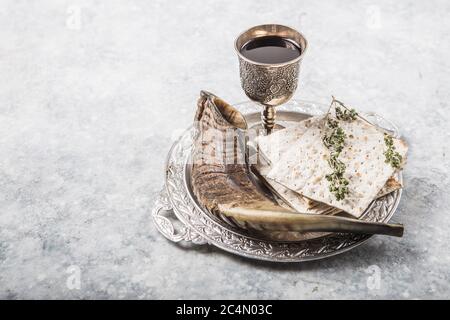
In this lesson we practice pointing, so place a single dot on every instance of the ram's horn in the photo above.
(219, 172)
(283, 220)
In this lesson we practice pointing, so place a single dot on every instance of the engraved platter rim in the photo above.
(200, 227)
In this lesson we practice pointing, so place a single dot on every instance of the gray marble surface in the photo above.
(93, 93)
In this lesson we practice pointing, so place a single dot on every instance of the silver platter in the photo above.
(176, 203)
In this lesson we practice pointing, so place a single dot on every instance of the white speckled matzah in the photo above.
(297, 201)
(272, 148)
(293, 199)
(302, 168)
(279, 142)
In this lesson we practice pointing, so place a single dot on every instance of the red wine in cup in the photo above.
(270, 50)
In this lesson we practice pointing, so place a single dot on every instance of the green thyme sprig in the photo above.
(392, 157)
(338, 184)
(345, 115)
(334, 140)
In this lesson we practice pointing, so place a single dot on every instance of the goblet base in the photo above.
(262, 130)
(268, 118)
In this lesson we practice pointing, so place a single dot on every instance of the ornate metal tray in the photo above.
(176, 203)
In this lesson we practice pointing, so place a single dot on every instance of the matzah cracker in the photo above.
(304, 166)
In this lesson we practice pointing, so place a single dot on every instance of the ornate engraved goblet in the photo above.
(270, 84)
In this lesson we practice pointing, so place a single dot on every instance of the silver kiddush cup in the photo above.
(270, 84)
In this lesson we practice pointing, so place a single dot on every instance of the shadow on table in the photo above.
(369, 252)
(365, 251)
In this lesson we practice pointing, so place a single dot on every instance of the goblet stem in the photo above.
(268, 118)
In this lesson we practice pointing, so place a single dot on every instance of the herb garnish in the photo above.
(346, 115)
(392, 157)
(334, 140)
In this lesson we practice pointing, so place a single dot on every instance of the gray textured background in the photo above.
(92, 94)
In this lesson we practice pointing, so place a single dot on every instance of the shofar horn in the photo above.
(221, 180)
(283, 220)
